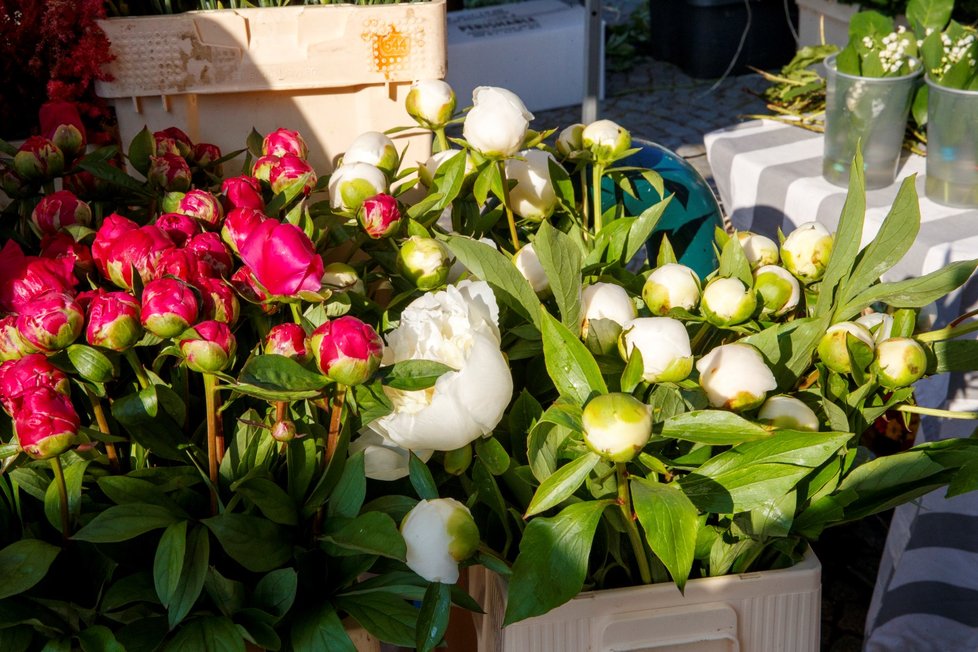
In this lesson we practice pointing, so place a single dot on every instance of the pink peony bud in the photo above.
(169, 307)
(169, 172)
(171, 202)
(287, 339)
(39, 159)
(210, 349)
(379, 216)
(179, 263)
(244, 283)
(47, 423)
(113, 321)
(212, 255)
(61, 122)
(121, 246)
(30, 371)
(13, 185)
(204, 207)
(205, 156)
(282, 258)
(218, 302)
(347, 350)
(284, 141)
(179, 228)
(263, 167)
(59, 209)
(22, 278)
(51, 321)
(239, 224)
(291, 171)
(87, 186)
(283, 431)
(62, 245)
(12, 345)
(242, 192)
(173, 141)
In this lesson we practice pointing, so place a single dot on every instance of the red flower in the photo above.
(243, 192)
(58, 210)
(23, 278)
(46, 423)
(282, 258)
(180, 228)
(347, 350)
(32, 370)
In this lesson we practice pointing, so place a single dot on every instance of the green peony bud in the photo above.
(617, 426)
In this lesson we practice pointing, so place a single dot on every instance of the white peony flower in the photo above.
(760, 250)
(427, 171)
(350, 185)
(382, 458)
(778, 290)
(528, 263)
(879, 324)
(617, 426)
(606, 140)
(570, 141)
(457, 327)
(806, 251)
(665, 348)
(439, 534)
(788, 412)
(727, 301)
(900, 361)
(373, 148)
(735, 376)
(497, 122)
(833, 349)
(606, 301)
(431, 102)
(533, 197)
(671, 286)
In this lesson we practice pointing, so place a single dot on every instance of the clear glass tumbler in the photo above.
(868, 111)
(952, 146)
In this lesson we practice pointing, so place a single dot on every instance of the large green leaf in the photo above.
(914, 292)
(496, 269)
(670, 522)
(643, 226)
(734, 263)
(98, 638)
(149, 417)
(788, 348)
(280, 377)
(746, 476)
(848, 236)
(371, 533)
(562, 262)
(271, 499)
(124, 522)
(886, 481)
(562, 484)
(275, 592)
(256, 543)
(74, 474)
(348, 495)
(318, 628)
(955, 355)
(433, 617)
(932, 14)
(552, 563)
(713, 427)
(384, 615)
(168, 562)
(207, 634)
(192, 576)
(571, 366)
(23, 564)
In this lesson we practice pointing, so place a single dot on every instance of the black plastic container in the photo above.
(702, 36)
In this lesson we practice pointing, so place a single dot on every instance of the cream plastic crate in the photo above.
(816, 17)
(771, 611)
(330, 72)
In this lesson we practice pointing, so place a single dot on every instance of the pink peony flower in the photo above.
(62, 245)
(379, 216)
(46, 423)
(238, 226)
(121, 246)
(179, 228)
(173, 141)
(58, 210)
(12, 345)
(347, 350)
(204, 207)
(263, 167)
(22, 278)
(218, 302)
(291, 171)
(39, 159)
(242, 192)
(51, 321)
(282, 258)
(169, 307)
(211, 349)
(169, 172)
(113, 321)
(287, 339)
(284, 141)
(32, 370)
(244, 283)
(213, 257)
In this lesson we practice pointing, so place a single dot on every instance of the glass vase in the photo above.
(952, 146)
(870, 112)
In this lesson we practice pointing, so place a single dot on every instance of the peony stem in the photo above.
(59, 477)
(441, 139)
(509, 211)
(936, 412)
(584, 200)
(296, 313)
(137, 367)
(335, 424)
(948, 332)
(103, 426)
(597, 172)
(213, 429)
(634, 537)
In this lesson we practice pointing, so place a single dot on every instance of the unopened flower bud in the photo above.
(617, 426)
(606, 140)
(288, 339)
(806, 251)
(13, 346)
(239, 225)
(262, 168)
(431, 102)
(735, 377)
(497, 122)
(39, 159)
(212, 255)
(424, 261)
(32, 370)
(173, 140)
(570, 141)
(51, 321)
(606, 301)
(439, 533)
(833, 348)
(113, 321)
(347, 351)
(243, 192)
(727, 301)
(218, 302)
(208, 347)
(58, 210)
(203, 207)
(291, 172)
(169, 172)
(171, 202)
(350, 185)
(340, 277)
(900, 362)
(671, 286)
(528, 264)
(664, 345)
(178, 227)
(284, 141)
(533, 196)
(169, 307)
(759, 250)
(46, 422)
(777, 289)
(879, 324)
(206, 157)
(373, 148)
(789, 413)
(283, 431)
(379, 216)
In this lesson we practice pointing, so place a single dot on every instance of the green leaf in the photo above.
(255, 543)
(91, 363)
(168, 563)
(275, 592)
(887, 481)
(421, 479)
(493, 455)
(634, 370)
(562, 484)
(552, 563)
(643, 225)
(571, 366)
(99, 638)
(300, 457)
(124, 522)
(207, 634)
(746, 476)
(148, 418)
(932, 14)
(372, 533)
(192, 576)
(280, 376)
(122, 489)
(23, 564)
(227, 595)
(788, 348)
(271, 499)
(713, 427)
(914, 292)
(74, 475)
(433, 617)
(384, 615)
(348, 495)
(955, 355)
(141, 147)
(496, 269)
(670, 521)
(411, 375)
(734, 263)
(562, 262)
(319, 628)
(848, 236)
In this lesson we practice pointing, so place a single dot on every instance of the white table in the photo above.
(769, 176)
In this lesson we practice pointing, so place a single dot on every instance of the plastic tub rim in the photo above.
(829, 64)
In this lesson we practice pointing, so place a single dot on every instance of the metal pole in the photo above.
(592, 72)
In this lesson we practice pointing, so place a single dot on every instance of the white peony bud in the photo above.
(350, 185)
(424, 261)
(727, 301)
(777, 290)
(439, 534)
(617, 426)
(528, 263)
(497, 123)
(570, 141)
(760, 250)
(533, 197)
(606, 140)
(431, 102)
(806, 251)
(340, 277)
(671, 286)
(788, 412)
(606, 301)
(427, 171)
(900, 361)
(735, 377)
(664, 344)
(373, 148)
(833, 349)
(879, 324)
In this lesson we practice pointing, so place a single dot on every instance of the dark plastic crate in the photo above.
(701, 36)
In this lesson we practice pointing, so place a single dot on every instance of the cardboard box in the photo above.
(535, 49)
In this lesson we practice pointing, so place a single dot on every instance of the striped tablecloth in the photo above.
(769, 176)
